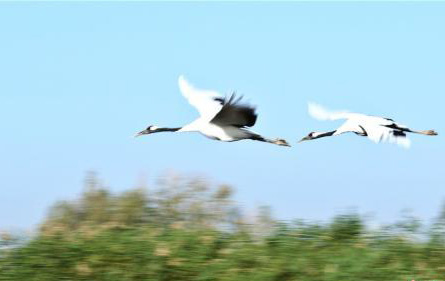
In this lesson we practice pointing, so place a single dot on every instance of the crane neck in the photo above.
(324, 134)
(168, 129)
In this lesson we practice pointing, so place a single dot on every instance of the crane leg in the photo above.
(281, 142)
(425, 132)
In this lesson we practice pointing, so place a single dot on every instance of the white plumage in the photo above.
(205, 101)
(221, 118)
(377, 129)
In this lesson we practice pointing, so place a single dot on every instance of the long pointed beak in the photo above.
(141, 133)
(303, 139)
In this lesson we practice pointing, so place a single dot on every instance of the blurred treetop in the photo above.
(190, 229)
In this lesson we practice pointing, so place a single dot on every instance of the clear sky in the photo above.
(77, 80)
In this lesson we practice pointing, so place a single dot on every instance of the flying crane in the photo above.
(375, 128)
(221, 118)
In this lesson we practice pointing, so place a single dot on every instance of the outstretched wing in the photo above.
(235, 114)
(207, 102)
(352, 124)
(320, 113)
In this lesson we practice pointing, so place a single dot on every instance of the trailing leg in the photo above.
(281, 142)
(425, 132)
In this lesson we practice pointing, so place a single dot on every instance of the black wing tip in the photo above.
(219, 99)
(253, 119)
(233, 103)
(235, 99)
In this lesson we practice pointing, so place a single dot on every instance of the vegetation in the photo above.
(189, 230)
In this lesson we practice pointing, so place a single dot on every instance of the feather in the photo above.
(320, 113)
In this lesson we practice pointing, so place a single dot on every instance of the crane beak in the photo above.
(141, 133)
(304, 139)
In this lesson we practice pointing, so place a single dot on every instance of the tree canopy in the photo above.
(190, 229)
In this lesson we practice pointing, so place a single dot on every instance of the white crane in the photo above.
(221, 118)
(377, 129)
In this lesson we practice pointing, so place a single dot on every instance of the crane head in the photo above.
(150, 129)
(310, 136)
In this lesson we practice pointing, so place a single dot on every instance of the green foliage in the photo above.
(187, 230)
(346, 227)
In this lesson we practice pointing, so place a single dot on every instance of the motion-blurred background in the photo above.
(81, 200)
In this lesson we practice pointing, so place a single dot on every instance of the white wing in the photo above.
(377, 131)
(351, 125)
(207, 102)
(320, 113)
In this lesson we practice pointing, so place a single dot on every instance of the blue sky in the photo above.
(78, 79)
